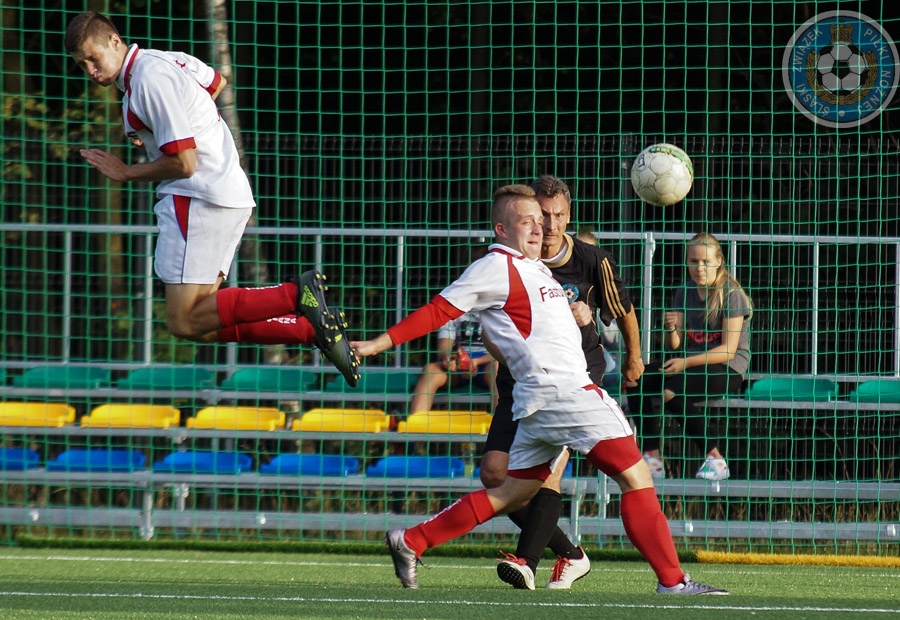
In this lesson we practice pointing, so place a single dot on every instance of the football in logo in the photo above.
(840, 69)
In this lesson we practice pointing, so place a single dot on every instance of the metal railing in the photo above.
(641, 274)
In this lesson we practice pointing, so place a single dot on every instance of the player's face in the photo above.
(556, 219)
(102, 60)
(703, 264)
(522, 227)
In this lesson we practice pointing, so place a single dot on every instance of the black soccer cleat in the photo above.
(329, 327)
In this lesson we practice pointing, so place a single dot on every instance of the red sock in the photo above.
(249, 305)
(648, 530)
(455, 520)
(291, 329)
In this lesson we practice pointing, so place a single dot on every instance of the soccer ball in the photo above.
(662, 174)
(841, 68)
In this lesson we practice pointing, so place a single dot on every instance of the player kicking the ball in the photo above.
(204, 196)
(527, 321)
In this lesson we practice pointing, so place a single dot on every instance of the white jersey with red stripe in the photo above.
(525, 315)
(167, 105)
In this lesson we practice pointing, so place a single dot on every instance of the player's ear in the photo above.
(500, 230)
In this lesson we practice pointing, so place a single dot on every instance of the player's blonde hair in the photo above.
(503, 197)
(88, 25)
(725, 282)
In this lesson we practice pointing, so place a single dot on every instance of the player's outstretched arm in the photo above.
(368, 348)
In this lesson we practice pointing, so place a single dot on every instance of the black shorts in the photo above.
(503, 427)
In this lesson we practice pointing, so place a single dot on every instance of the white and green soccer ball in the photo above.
(662, 174)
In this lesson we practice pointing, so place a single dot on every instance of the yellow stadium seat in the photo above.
(238, 418)
(343, 421)
(36, 414)
(462, 422)
(127, 415)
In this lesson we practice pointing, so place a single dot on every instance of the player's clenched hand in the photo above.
(633, 368)
(109, 165)
(367, 348)
(582, 313)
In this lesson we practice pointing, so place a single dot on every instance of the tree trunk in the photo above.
(255, 269)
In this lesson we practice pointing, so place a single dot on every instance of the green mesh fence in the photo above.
(373, 134)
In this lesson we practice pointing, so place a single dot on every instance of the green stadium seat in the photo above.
(168, 378)
(377, 381)
(290, 379)
(63, 376)
(876, 391)
(793, 389)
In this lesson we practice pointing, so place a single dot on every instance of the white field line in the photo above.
(379, 601)
(439, 563)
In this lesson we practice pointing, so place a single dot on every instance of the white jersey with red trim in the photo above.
(525, 315)
(168, 106)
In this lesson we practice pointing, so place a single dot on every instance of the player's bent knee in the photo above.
(492, 480)
(180, 329)
(493, 469)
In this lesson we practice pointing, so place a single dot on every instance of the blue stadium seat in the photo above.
(204, 462)
(99, 459)
(18, 458)
(311, 465)
(567, 472)
(417, 467)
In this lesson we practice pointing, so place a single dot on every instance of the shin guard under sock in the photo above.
(541, 527)
(648, 530)
(249, 305)
(291, 329)
(455, 520)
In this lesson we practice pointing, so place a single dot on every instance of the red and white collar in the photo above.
(123, 80)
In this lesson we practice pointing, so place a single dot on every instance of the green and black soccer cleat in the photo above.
(330, 335)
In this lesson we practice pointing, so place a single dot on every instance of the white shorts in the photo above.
(197, 239)
(578, 420)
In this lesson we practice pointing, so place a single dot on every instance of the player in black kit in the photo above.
(588, 275)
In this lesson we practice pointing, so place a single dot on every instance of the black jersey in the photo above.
(588, 273)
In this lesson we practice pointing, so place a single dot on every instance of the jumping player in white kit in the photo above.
(204, 196)
(528, 325)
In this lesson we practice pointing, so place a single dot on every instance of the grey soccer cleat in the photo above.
(405, 560)
(689, 587)
(515, 572)
(329, 327)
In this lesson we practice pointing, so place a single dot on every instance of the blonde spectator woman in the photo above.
(707, 338)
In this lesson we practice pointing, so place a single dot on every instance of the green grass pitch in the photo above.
(47, 584)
